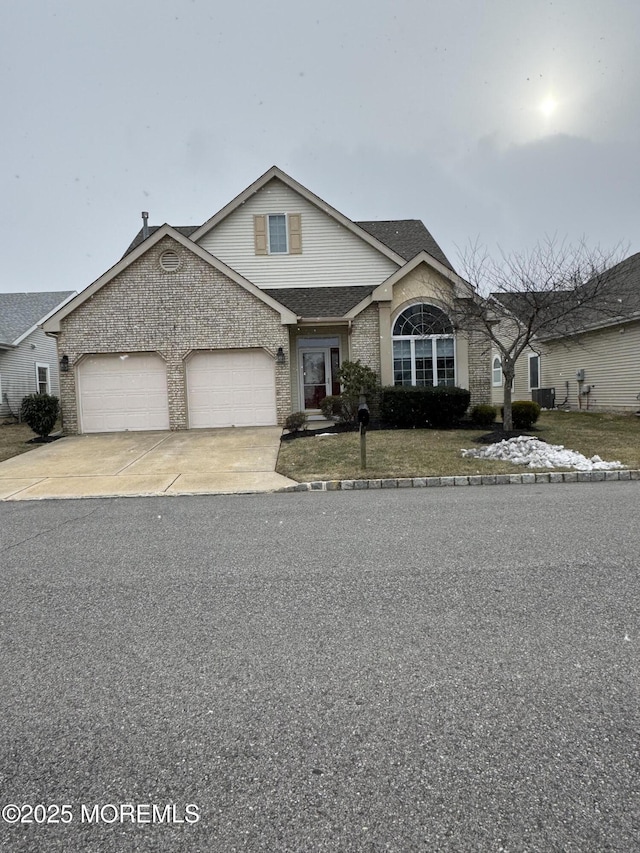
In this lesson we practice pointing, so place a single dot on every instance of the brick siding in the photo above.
(147, 309)
(479, 368)
(365, 338)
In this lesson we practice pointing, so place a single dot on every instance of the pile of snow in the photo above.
(529, 451)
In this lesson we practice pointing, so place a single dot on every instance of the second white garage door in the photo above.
(231, 388)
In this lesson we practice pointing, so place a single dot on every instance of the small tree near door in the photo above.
(356, 379)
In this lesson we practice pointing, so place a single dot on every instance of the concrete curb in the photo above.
(471, 480)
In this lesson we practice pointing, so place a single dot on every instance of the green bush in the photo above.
(408, 407)
(40, 412)
(524, 413)
(331, 407)
(356, 379)
(483, 415)
(296, 421)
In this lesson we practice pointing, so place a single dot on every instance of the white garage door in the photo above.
(126, 391)
(231, 388)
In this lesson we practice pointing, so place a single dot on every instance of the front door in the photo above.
(318, 367)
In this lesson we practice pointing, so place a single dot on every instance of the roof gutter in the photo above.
(324, 321)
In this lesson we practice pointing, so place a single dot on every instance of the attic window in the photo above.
(169, 261)
(277, 234)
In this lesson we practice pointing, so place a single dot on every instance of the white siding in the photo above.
(18, 370)
(331, 254)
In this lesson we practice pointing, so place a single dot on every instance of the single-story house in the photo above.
(28, 357)
(245, 318)
(591, 361)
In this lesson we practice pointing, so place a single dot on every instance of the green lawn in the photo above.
(436, 453)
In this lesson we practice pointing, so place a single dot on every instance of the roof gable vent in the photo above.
(169, 261)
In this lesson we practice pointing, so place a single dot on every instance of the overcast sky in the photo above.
(502, 121)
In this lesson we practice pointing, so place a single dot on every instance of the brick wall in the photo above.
(479, 368)
(147, 309)
(365, 338)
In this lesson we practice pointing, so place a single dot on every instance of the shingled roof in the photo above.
(609, 298)
(407, 237)
(313, 302)
(185, 230)
(20, 312)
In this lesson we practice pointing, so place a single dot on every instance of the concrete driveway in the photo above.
(216, 461)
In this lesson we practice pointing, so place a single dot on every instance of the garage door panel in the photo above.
(231, 388)
(119, 392)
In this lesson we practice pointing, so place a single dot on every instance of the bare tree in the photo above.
(554, 290)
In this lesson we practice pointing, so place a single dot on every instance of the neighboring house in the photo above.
(28, 357)
(246, 318)
(593, 361)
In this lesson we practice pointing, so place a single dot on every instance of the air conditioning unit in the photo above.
(544, 397)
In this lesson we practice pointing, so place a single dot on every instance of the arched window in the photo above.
(423, 347)
(496, 371)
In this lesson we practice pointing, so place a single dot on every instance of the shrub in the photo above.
(524, 413)
(408, 407)
(296, 421)
(40, 412)
(483, 415)
(447, 404)
(356, 379)
(331, 407)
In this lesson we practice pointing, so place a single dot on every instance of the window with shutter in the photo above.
(277, 231)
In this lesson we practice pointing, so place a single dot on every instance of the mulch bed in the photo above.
(47, 439)
(312, 433)
(502, 435)
(493, 437)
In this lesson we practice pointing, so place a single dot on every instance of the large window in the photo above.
(496, 371)
(423, 347)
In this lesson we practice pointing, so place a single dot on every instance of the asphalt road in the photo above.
(402, 670)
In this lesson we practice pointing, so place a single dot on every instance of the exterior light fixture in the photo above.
(280, 356)
(64, 364)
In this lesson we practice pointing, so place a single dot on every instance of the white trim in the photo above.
(384, 291)
(323, 345)
(500, 383)
(434, 356)
(286, 234)
(47, 367)
(530, 356)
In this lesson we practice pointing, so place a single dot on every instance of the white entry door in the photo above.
(317, 368)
